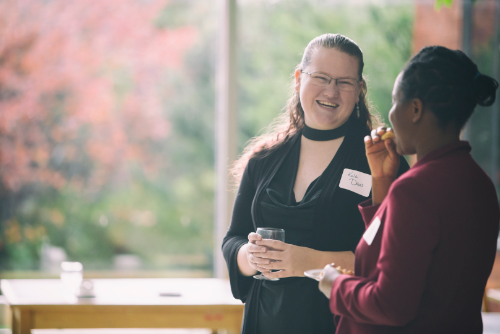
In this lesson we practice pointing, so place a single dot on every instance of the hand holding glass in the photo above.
(270, 233)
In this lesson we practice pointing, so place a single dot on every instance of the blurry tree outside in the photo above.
(90, 159)
(275, 33)
(107, 112)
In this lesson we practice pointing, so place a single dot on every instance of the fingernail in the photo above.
(262, 249)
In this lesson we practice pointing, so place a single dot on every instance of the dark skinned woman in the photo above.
(429, 247)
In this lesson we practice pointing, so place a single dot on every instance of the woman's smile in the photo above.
(327, 104)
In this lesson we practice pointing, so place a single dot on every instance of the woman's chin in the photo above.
(404, 151)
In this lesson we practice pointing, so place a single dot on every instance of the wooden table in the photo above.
(124, 303)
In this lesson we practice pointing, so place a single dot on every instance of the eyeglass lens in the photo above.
(346, 84)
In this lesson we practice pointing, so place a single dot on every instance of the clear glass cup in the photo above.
(72, 276)
(270, 233)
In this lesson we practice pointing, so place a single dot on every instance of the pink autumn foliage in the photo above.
(72, 65)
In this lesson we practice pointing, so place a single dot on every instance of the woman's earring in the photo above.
(357, 109)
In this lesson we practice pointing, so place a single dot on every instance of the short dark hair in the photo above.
(448, 83)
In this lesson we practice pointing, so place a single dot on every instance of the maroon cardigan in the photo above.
(427, 266)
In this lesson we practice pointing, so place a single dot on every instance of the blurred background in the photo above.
(107, 115)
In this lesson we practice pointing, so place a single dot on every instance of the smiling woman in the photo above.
(296, 178)
(328, 102)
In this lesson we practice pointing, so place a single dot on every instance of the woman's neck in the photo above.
(319, 135)
(434, 140)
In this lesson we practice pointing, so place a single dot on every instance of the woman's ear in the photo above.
(360, 88)
(417, 110)
(297, 80)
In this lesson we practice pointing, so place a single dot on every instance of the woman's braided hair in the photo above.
(448, 83)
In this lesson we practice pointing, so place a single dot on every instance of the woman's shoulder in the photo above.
(267, 157)
(416, 183)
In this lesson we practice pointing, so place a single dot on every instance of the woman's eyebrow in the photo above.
(342, 77)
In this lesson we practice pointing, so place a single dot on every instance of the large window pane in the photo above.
(106, 134)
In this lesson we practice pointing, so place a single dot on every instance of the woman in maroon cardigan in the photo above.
(430, 242)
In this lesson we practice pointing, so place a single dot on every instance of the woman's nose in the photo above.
(332, 89)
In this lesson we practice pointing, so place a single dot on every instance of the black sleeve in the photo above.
(237, 235)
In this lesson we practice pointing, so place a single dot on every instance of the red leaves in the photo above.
(81, 81)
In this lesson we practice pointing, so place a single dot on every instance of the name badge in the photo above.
(358, 182)
(371, 231)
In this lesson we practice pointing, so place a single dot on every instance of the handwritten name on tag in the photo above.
(358, 182)
(371, 231)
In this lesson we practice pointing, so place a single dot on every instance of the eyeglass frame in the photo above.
(331, 79)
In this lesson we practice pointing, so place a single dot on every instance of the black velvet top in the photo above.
(326, 219)
(279, 299)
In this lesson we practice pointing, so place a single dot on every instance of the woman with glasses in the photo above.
(306, 176)
(430, 243)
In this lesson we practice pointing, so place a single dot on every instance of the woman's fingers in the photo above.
(273, 265)
(263, 270)
(275, 244)
(381, 130)
(275, 274)
(374, 135)
(258, 260)
(252, 237)
(273, 255)
(377, 134)
(256, 249)
(391, 148)
(368, 142)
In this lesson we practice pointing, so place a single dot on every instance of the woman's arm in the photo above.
(237, 237)
(248, 261)
(383, 161)
(243, 264)
(392, 297)
(294, 260)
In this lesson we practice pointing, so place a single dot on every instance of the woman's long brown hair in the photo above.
(291, 120)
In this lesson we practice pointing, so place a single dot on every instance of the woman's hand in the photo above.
(291, 260)
(253, 251)
(247, 256)
(330, 274)
(381, 154)
(383, 161)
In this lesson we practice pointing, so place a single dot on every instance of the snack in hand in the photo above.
(345, 271)
(342, 270)
(387, 135)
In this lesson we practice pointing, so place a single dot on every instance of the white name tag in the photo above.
(371, 231)
(358, 182)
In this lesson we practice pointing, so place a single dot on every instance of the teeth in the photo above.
(328, 104)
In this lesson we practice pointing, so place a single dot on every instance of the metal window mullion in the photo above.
(495, 108)
(225, 126)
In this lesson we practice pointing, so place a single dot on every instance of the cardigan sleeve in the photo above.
(392, 295)
(237, 235)
(368, 210)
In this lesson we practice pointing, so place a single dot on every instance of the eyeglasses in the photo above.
(323, 80)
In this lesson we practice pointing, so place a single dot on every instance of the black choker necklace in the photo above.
(324, 135)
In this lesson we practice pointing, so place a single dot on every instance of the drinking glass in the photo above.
(270, 233)
(72, 276)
